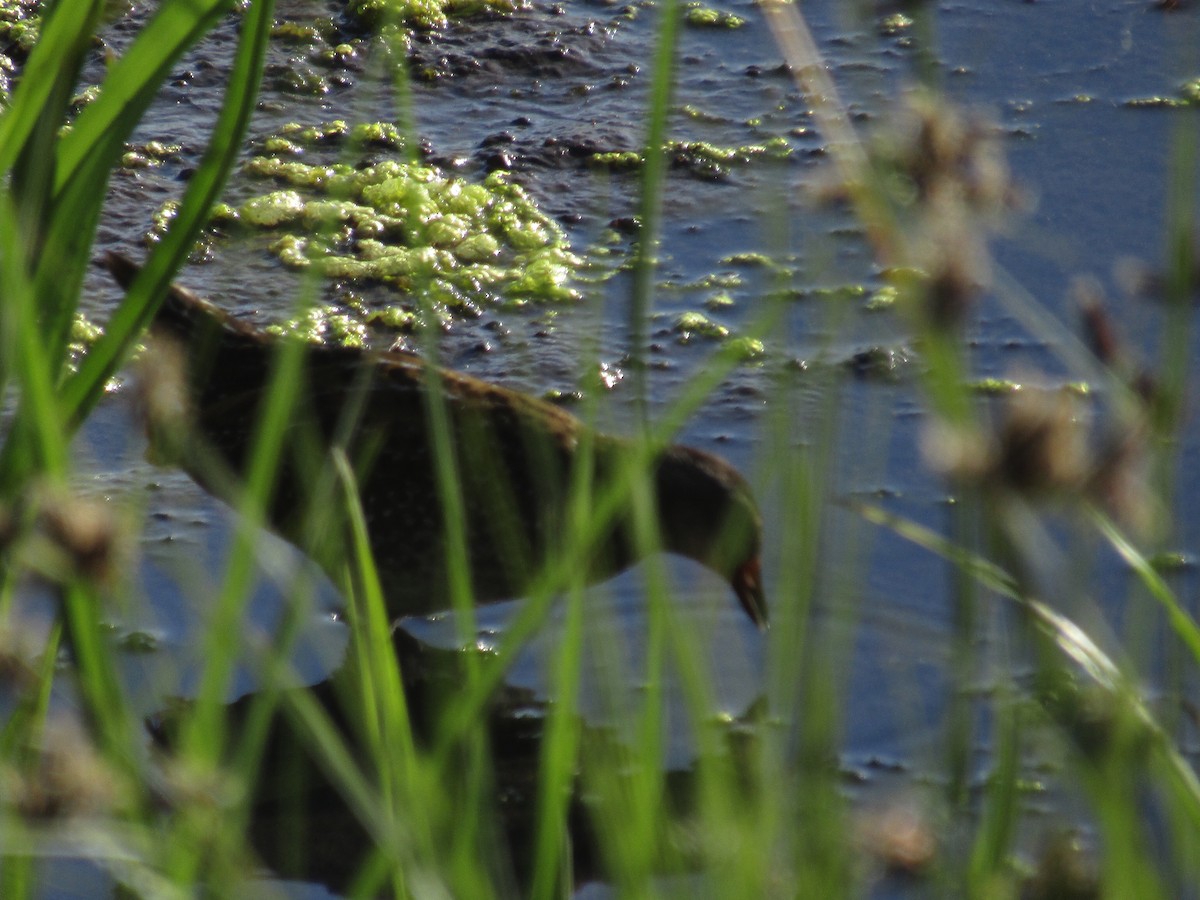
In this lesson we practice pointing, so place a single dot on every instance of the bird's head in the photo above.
(707, 513)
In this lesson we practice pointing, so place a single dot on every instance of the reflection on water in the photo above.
(1055, 80)
(303, 827)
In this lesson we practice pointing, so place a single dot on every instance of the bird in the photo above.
(516, 457)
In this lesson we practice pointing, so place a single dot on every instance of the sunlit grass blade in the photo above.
(645, 259)
(85, 156)
(1182, 623)
(1074, 645)
(134, 80)
(384, 708)
(377, 696)
(50, 70)
(984, 571)
(81, 391)
(91, 153)
(36, 440)
(205, 733)
(993, 842)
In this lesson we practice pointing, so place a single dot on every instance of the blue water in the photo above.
(1053, 76)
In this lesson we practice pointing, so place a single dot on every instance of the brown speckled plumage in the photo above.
(514, 456)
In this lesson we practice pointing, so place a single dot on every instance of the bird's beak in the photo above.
(747, 584)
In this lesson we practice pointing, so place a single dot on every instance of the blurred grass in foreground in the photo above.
(766, 811)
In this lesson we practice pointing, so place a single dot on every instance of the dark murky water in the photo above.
(1054, 76)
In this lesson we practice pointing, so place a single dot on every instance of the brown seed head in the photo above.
(85, 536)
(1041, 445)
(901, 836)
(66, 777)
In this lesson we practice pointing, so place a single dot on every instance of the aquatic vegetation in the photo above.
(748, 259)
(694, 324)
(1003, 387)
(20, 26)
(884, 298)
(395, 220)
(895, 24)
(425, 13)
(326, 324)
(298, 79)
(701, 158)
(698, 15)
(457, 244)
(697, 114)
(996, 387)
(84, 333)
(296, 32)
(879, 363)
(747, 349)
(148, 155)
(838, 292)
(1188, 96)
(84, 97)
(710, 281)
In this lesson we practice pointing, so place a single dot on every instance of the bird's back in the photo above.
(510, 453)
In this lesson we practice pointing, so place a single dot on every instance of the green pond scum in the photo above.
(84, 333)
(148, 155)
(694, 324)
(746, 348)
(895, 24)
(749, 260)
(20, 25)
(1188, 96)
(697, 15)
(884, 298)
(837, 292)
(446, 244)
(460, 244)
(326, 324)
(999, 387)
(697, 114)
(713, 281)
(425, 13)
(697, 157)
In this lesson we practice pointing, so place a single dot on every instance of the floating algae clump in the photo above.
(700, 16)
(695, 324)
(325, 324)
(697, 157)
(1189, 96)
(410, 225)
(425, 13)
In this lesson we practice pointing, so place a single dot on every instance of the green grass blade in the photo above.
(1181, 621)
(652, 187)
(133, 83)
(384, 708)
(86, 155)
(83, 389)
(66, 33)
(36, 440)
(1073, 643)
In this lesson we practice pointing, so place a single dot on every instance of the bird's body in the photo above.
(515, 457)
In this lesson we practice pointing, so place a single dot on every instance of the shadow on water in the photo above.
(1060, 83)
(303, 828)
